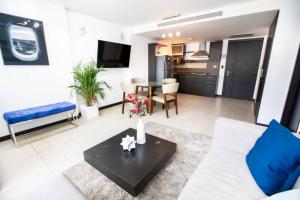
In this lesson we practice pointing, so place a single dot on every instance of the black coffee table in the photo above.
(130, 170)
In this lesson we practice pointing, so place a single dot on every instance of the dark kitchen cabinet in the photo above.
(185, 82)
(215, 51)
(197, 84)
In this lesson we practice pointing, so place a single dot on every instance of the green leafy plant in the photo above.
(86, 83)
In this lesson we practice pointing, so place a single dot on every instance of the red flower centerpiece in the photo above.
(139, 108)
(139, 105)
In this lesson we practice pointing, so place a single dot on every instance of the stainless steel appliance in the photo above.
(164, 67)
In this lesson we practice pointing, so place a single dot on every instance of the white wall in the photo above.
(223, 63)
(222, 69)
(27, 86)
(139, 58)
(84, 47)
(282, 61)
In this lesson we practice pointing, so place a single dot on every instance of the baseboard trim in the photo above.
(110, 105)
(261, 124)
(7, 137)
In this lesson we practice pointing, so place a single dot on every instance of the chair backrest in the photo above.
(169, 80)
(128, 88)
(137, 80)
(170, 88)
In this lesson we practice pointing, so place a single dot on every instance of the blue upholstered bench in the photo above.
(34, 113)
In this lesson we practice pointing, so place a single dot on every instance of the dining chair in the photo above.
(169, 80)
(129, 88)
(137, 81)
(169, 94)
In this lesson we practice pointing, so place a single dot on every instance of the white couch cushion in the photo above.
(236, 135)
(287, 195)
(222, 175)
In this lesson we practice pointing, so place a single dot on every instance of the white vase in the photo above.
(140, 135)
(89, 112)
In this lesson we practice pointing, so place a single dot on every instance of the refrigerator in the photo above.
(164, 67)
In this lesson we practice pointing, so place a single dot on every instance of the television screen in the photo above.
(113, 55)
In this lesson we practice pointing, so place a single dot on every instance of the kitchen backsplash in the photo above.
(193, 65)
(207, 67)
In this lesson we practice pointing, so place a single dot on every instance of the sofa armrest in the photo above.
(236, 135)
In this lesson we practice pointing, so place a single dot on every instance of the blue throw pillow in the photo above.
(274, 161)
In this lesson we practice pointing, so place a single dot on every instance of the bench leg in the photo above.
(12, 133)
(73, 117)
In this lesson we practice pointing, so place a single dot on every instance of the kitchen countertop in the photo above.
(196, 73)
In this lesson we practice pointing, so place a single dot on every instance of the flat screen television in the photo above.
(113, 55)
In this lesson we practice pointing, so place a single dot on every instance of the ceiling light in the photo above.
(177, 33)
(170, 34)
(163, 35)
(190, 38)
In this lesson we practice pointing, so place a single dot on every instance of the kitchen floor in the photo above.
(45, 154)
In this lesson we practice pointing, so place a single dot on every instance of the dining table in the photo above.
(151, 87)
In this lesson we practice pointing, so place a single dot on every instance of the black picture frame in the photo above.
(22, 41)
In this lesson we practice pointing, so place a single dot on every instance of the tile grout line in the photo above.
(38, 154)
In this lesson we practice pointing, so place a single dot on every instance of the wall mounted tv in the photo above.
(113, 55)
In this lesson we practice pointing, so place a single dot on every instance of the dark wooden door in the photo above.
(241, 68)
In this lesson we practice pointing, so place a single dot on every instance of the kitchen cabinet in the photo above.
(178, 49)
(197, 84)
(215, 51)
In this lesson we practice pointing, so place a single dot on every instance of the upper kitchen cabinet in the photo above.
(178, 49)
(215, 51)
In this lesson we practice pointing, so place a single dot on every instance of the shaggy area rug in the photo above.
(167, 184)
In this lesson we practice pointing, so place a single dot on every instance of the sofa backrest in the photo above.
(236, 135)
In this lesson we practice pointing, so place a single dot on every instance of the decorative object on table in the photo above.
(89, 87)
(22, 41)
(128, 143)
(139, 108)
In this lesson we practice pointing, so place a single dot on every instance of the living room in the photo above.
(42, 157)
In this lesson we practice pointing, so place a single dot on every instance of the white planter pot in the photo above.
(89, 112)
(140, 135)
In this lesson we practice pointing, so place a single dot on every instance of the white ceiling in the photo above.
(257, 24)
(135, 12)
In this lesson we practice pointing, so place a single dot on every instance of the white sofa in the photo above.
(223, 174)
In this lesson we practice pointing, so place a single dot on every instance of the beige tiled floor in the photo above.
(49, 152)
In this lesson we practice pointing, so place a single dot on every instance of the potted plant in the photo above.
(89, 87)
(139, 108)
